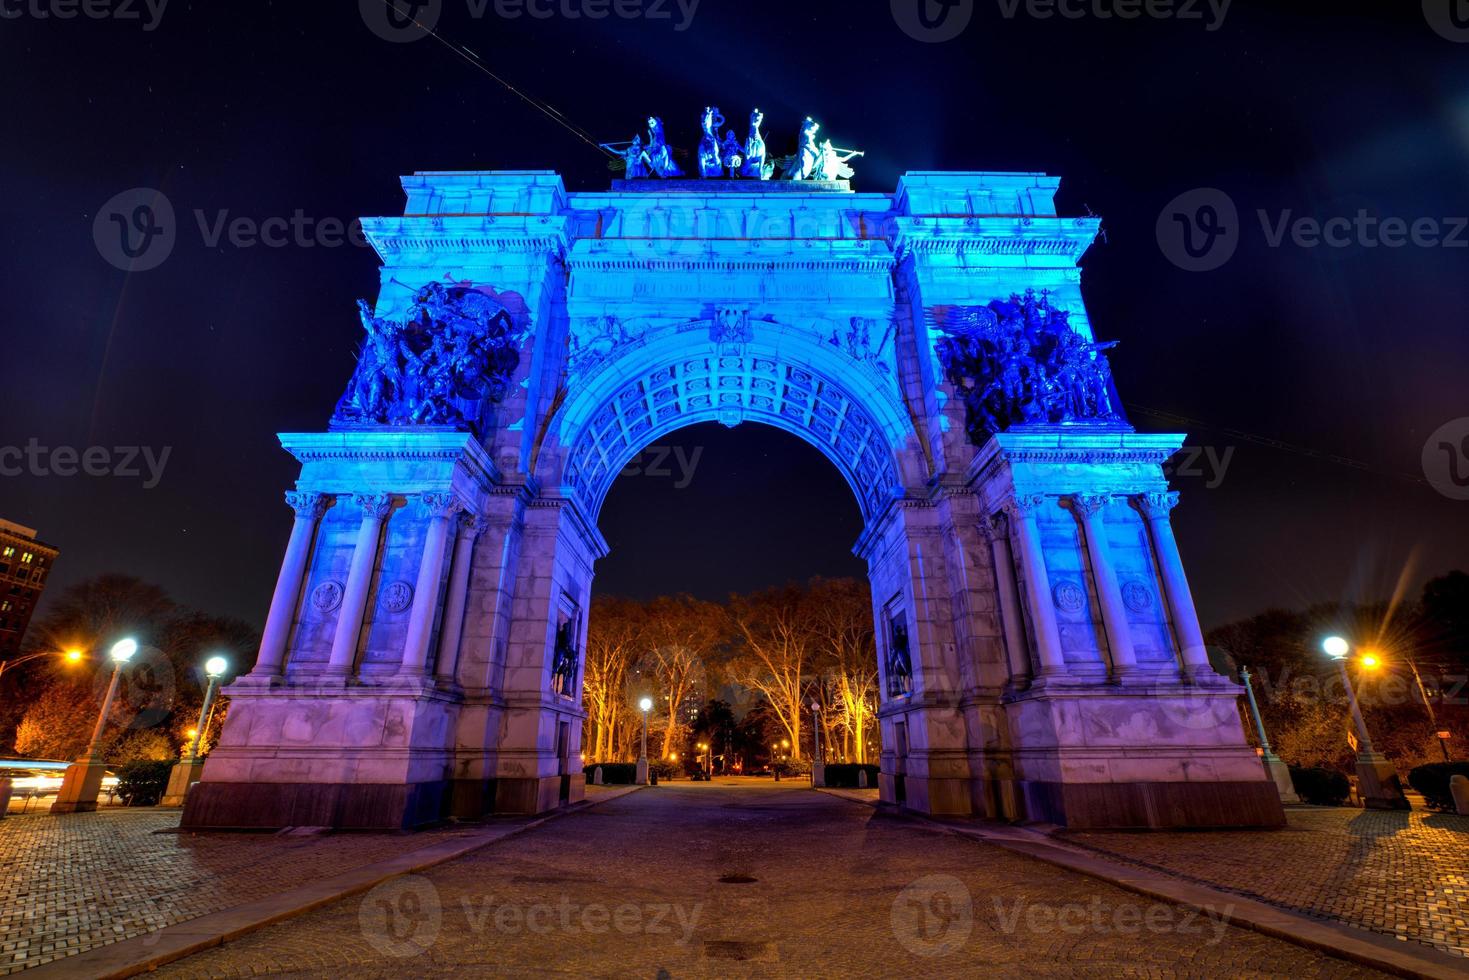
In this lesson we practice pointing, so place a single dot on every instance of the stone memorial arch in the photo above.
(1039, 653)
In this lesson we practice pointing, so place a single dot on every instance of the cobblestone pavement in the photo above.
(752, 880)
(88, 879)
(1402, 874)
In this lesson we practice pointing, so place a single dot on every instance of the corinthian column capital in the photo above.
(1156, 505)
(444, 505)
(374, 505)
(1024, 505)
(1089, 504)
(307, 504)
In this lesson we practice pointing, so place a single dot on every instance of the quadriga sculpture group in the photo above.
(450, 356)
(1020, 361)
(727, 157)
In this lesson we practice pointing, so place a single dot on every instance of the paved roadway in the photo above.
(740, 878)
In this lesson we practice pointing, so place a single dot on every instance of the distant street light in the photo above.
(83, 779)
(818, 768)
(1377, 778)
(187, 771)
(645, 705)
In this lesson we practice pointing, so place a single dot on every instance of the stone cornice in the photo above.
(1072, 446)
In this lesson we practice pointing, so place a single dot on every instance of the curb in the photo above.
(1333, 939)
(140, 954)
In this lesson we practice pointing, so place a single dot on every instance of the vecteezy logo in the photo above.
(135, 230)
(933, 916)
(401, 917)
(401, 21)
(1446, 459)
(1448, 18)
(1199, 229)
(932, 21)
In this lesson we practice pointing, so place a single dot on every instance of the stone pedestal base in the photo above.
(312, 753)
(1379, 785)
(642, 774)
(1279, 774)
(79, 787)
(818, 774)
(1162, 754)
(185, 774)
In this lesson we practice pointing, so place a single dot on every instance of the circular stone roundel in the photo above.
(1069, 597)
(1137, 597)
(327, 596)
(397, 597)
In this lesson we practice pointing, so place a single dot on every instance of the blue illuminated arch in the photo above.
(786, 377)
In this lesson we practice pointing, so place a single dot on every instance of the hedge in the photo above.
(1323, 787)
(1432, 781)
(614, 773)
(844, 774)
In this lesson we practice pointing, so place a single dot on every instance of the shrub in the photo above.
(844, 774)
(658, 769)
(794, 767)
(142, 783)
(1323, 787)
(1432, 781)
(614, 773)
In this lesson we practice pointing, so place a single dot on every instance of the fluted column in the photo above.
(309, 507)
(1088, 508)
(468, 529)
(996, 530)
(375, 509)
(1156, 507)
(441, 507)
(1021, 511)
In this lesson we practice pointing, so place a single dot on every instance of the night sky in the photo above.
(1350, 355)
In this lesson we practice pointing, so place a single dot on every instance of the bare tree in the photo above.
(614, 645)
(842, 610)
(682, 632)
(776, 627)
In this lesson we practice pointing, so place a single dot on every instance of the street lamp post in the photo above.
(72, 656)
(1377, 778)
(645, 705)
(1275, 767)
(818, 767)
(1443, 742)
(188, 770)
(83, 779)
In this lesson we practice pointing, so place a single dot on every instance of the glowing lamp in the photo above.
(1371, 661)
(1336, 648)
(646, 704)
(73, 656)
(123, 650)
(216, 666)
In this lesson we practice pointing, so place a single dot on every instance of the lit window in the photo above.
(26, 558)
(9, 551)
(4, 605)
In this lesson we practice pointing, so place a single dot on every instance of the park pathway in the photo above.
(752, 879)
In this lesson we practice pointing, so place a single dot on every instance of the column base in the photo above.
(642, 774)
(1279, 774)
(528, 795)
(1379, 785)
(818, 774)
(79, 787)
(185, 774)
(1152, 805)
(344, 806)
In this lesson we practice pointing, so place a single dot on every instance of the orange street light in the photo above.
(1370, 660)
(71, 656)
